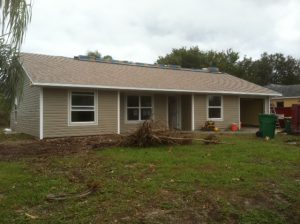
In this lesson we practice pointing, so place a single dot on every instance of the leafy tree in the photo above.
(269, 68)
(94, 54)
(97, 54)
(107, 57)
(187, 58)
(195, 58)
(285, 70)
(273, 68)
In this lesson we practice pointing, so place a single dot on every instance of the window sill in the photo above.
(215, 119)
(83, 124)
(134, 122)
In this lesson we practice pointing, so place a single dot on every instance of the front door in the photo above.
(174, 112)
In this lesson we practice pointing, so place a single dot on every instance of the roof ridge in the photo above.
(140, 64)
(45, 55)
(85, 58)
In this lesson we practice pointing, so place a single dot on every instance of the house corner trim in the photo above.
(41, 113)
(193, 112)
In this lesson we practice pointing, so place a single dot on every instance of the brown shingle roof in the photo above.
(47, 70)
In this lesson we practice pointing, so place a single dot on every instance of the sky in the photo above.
(142, 30)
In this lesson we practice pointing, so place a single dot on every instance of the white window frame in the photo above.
(139, 107)
(95, 122)
(208, 107)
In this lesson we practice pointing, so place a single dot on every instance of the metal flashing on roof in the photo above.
(162, 66)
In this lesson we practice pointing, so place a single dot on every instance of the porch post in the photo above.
(267, 105)
(193, 113)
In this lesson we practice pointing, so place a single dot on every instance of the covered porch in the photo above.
(173, 110)
(250, 108)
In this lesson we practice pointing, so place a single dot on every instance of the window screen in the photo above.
(214, 107)
(82, 107)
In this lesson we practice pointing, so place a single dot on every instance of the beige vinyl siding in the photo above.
(159, 110)
(56, 114)
(28, 117)
(200, 113)
(186, 112)
(230, 111)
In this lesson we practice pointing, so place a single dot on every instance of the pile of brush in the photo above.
(152, 133)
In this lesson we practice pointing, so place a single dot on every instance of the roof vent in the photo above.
(213, 69)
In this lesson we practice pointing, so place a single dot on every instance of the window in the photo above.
(280, 104)
(139, 108)
(82, 108)
(214, 107)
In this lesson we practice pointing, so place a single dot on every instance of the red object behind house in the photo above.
(287, 111)
(234, 127)
(296, 118)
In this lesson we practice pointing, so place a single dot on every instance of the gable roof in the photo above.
(45, 70)
(286, 90)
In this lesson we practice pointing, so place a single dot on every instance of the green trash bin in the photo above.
(267, 125)
(288, 125)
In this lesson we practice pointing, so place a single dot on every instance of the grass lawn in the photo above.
(252, 181)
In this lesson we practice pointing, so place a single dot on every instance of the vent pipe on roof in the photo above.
(211, 69)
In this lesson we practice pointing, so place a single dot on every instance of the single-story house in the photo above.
(81, 96)
(290, 95)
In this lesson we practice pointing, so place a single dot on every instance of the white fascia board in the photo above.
(27, 74)
(285, 97)
(153, 89)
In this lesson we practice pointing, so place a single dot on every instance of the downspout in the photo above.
(193, 113)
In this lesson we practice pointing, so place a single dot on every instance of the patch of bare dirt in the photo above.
(57, 146)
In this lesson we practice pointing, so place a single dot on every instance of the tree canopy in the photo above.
(269, 68)
(97, 54)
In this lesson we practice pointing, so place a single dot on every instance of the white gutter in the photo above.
(153, 89)
(285, 97)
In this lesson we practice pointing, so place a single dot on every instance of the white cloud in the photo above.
(142, 30)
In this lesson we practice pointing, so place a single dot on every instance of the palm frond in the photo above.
(11, 74)
(14, 18)
(16, 14)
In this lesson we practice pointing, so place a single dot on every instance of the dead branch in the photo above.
(64, 196)
(152, 133)
(198, 139)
